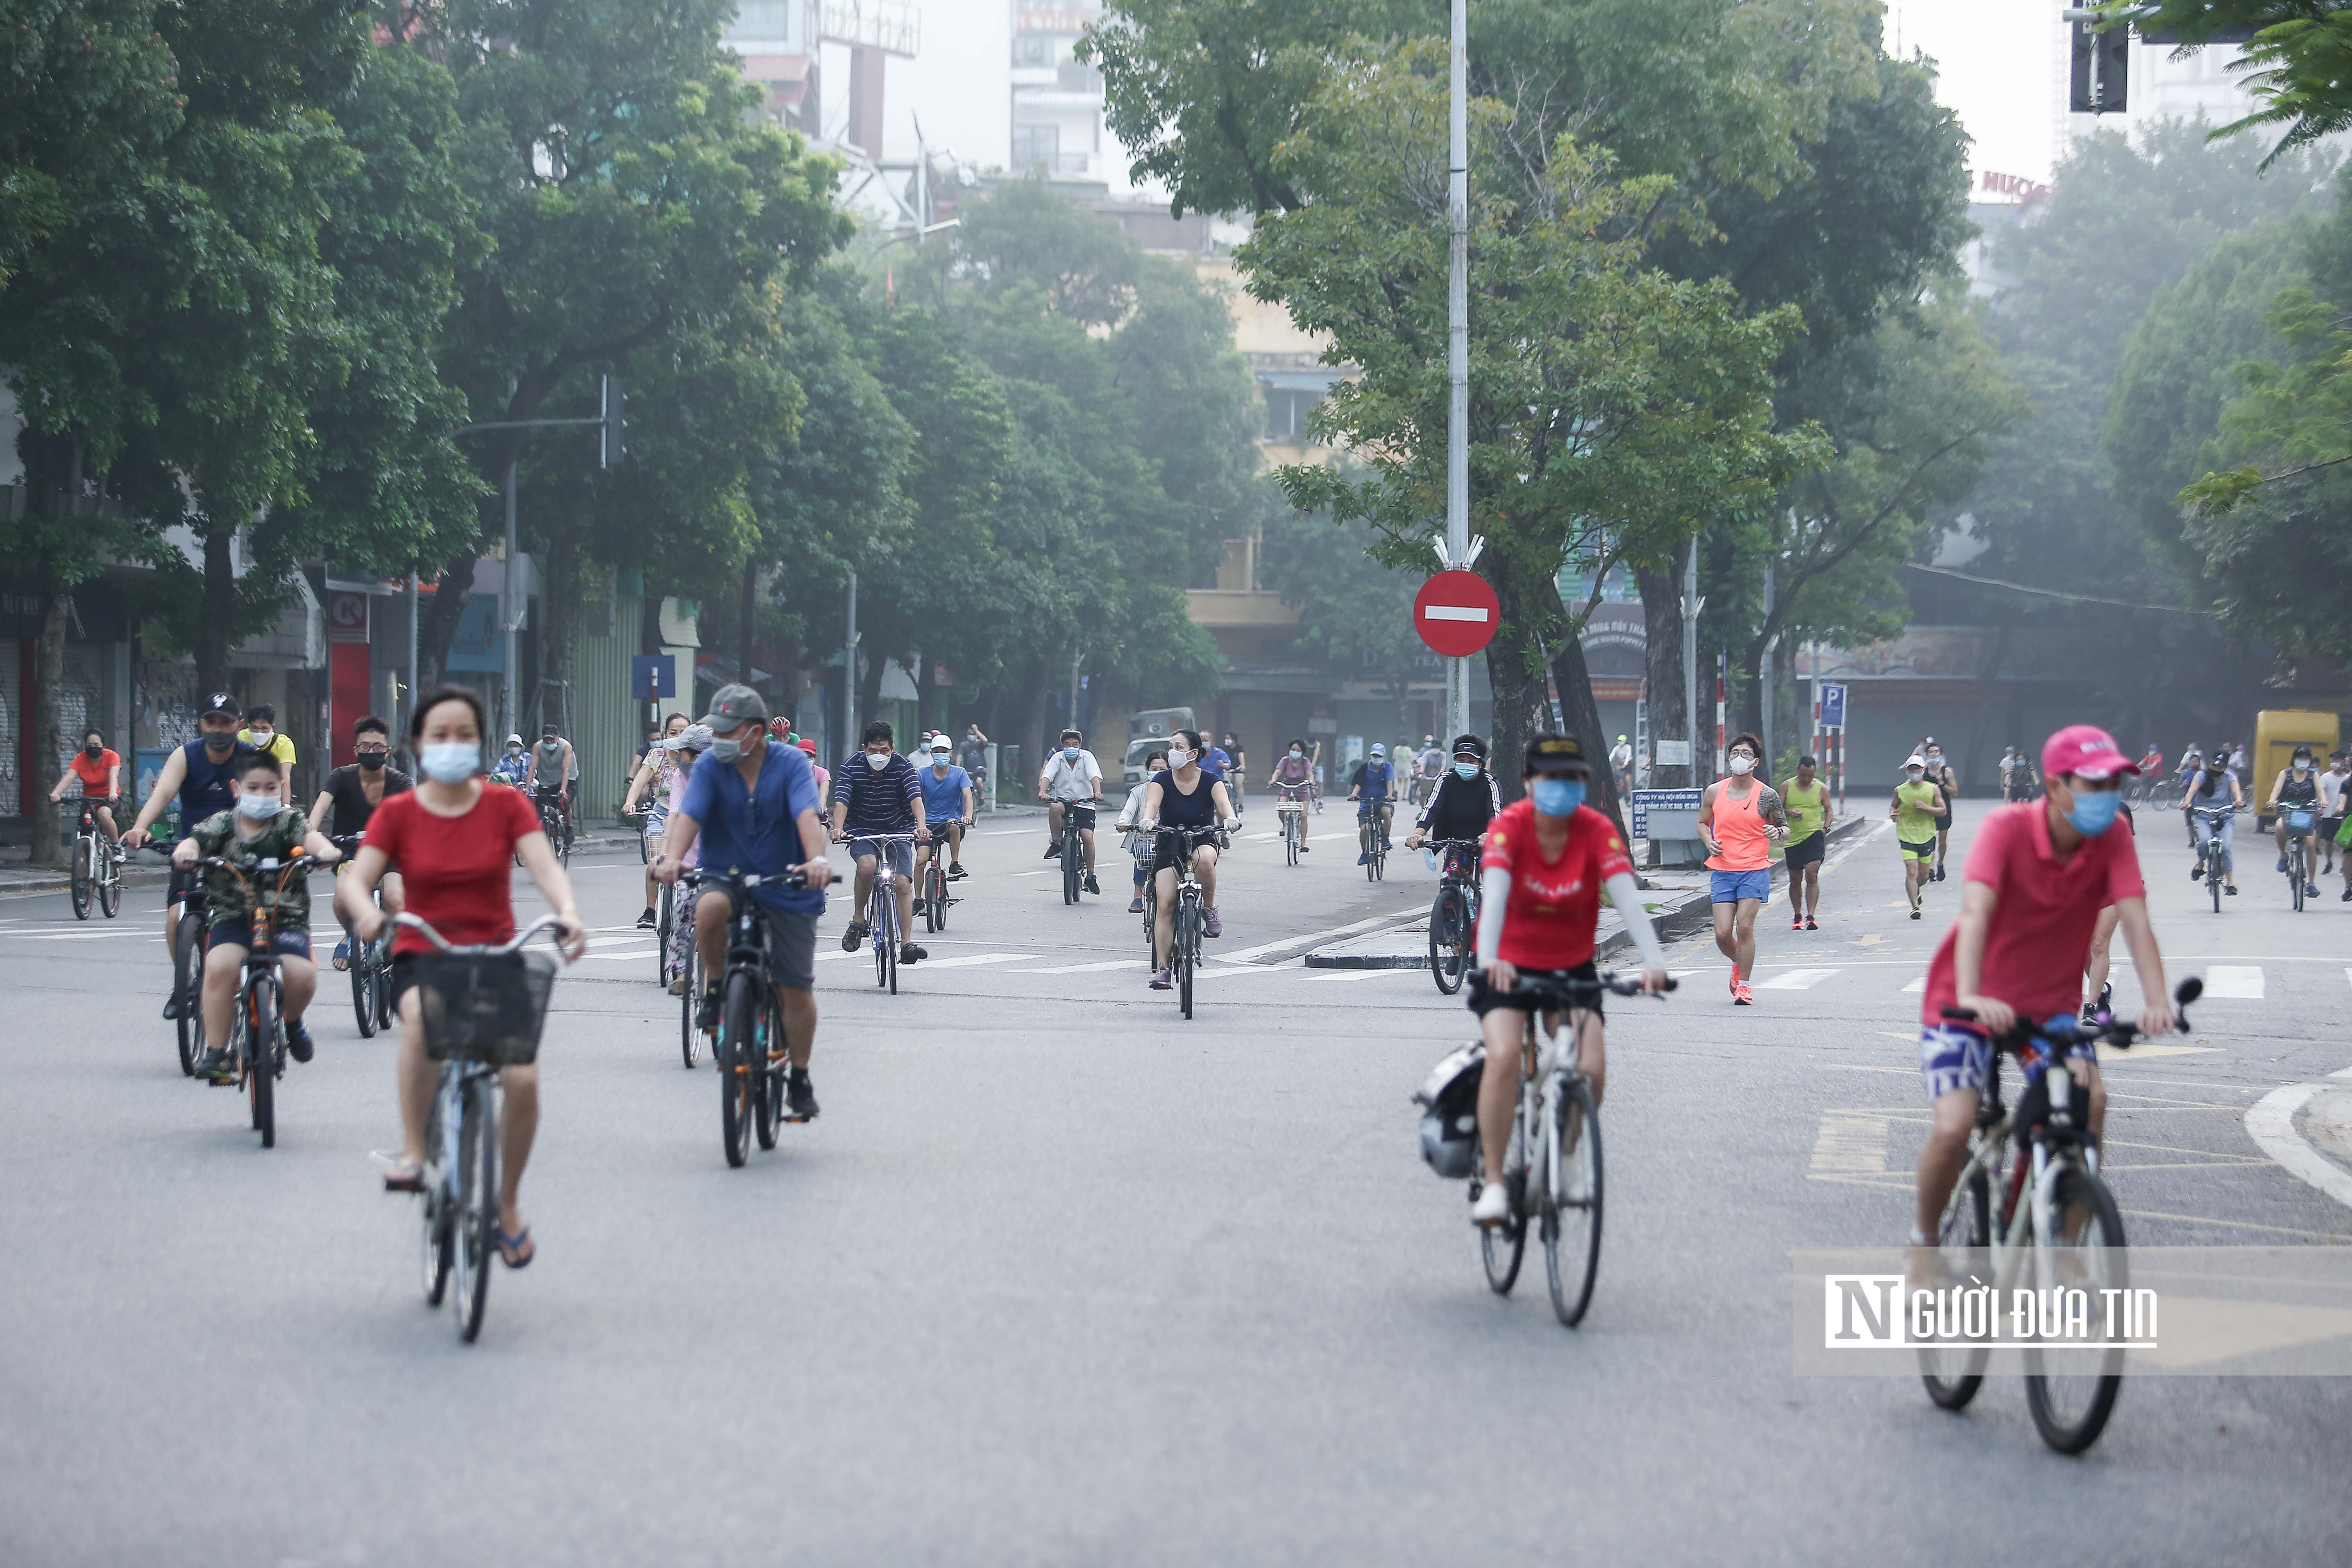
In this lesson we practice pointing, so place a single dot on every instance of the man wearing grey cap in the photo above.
(754, 807)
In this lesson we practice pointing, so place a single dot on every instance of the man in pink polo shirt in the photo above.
(2037, 876)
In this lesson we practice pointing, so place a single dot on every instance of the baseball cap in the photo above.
(1914, 761)
(735, 704)
(221, 702)
(1561, 755)
(805, 744)
(2086, 750)
(940, 742)
(693, 737)
(1379, 749)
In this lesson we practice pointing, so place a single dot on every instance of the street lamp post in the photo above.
(1457, 347)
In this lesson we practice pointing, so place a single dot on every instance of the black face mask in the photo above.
(93, 752)
(371, 761)
(218, 743)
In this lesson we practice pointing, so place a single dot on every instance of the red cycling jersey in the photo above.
(1555, 904)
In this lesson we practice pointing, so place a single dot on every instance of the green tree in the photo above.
(1355, 615)
(2299, 61)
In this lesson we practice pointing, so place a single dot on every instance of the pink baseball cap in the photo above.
(2085, 750)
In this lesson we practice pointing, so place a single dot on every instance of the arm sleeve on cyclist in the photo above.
(1494, 896)
(1627, 897)
(1429, 807)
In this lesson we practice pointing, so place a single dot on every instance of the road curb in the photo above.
(2270, 1122)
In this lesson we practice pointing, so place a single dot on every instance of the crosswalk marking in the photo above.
(968, 960)
(1084, 968)
(1918, 984)
(2237, 982)
(624, 953)
(1850, 1143)
(1795, 980)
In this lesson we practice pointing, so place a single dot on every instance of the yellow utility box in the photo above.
(2277, 733)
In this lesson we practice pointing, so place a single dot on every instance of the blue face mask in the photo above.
(1558, 798)
(2095, 811)
(1466, 770)
(1069, 753)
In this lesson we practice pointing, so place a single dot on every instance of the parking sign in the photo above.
(1833, 707)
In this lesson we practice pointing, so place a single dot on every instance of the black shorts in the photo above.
(1085, 814)
(237, 931)
(1944, 823)
(1806, 851)
(1485, 1000)
(1169, 852)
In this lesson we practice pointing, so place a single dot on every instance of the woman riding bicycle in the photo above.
(1187, 798)
(453, 837)
(1293, 781)
(685, 748)
(1546, 859)
(652, 784)
(1465, 803)
(2211, 802)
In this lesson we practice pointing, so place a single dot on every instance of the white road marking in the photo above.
(1850, 1143)
(1329, 837)
(2270, 1122)
(2238, 983)
(1795, 980)
(1247, 954)
(967, 960)
(1239, 969)
(1086, 968)
(630, 952)
(72, 935)
(1372, 973)
(1918, 984)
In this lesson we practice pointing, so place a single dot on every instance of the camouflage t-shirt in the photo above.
(227, 898)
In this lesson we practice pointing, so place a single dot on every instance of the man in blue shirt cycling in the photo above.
(947, 806)
(1374, 783)
(754, 806)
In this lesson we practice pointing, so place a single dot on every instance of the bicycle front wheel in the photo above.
(187, 965)
(109, 883)
(478, 1205)
(734, 1059)
(1073, 867)
(2072, 1392)
(1445, 950)
(82, 878)
(1502, 1246)
(363, 1001)
(1188, 944)
(689, 1038)
(1572, 1229)
(261, 1048)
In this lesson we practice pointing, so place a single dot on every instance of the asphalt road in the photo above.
(1058, 1277)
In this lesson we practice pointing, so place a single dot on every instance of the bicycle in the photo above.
(1184, 940)
(483, 1008)
(749, 1050)
(1291, 810)
(1557, 1132)
(256, 1020)
(1373, 837)
(883, 906)
(2299, 818)
(97, 862)
(371, 962)
(190, 939)
(689, 970)
(2209, 866)
(2053, 1202)
(555, 822)
(1453, 913)
(933, 890)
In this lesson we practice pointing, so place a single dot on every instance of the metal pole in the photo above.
(848, 740)
(1075, 661)
(1690, 661)
(402, 714)
(1764, 675)
(1457, 344)
(508, 614)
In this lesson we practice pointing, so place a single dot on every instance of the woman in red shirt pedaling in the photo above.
(1547, 857)
(452, 838)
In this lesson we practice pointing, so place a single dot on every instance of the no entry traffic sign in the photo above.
(1456, 613)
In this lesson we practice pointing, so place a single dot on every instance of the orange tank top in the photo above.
(1739, 827)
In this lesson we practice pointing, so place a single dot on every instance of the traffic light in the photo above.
(613, 443)
(2102, 67)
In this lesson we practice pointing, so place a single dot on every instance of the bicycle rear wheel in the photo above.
(1953, 1375)
(478, 1205)
(261, 1048)
(2295, 874)
(2213, 880)
(1291, 837)
(363, 1001)
(1073, 867)
(665, 918)
(2072, 1392)
(766, 1090)
(82, 875)
(733, 1056)
(1188, 944)
(1367, 841)
(438, 1251)
(109, 883)
(1571, 1231)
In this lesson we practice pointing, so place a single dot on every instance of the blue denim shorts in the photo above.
(1731, 887)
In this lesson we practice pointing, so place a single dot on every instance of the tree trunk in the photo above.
(436, 622)
(48, 719)
(213, 637)
(559, 590)
(1662, 665)
(1514, 669)
(869, 691)
(1582, 717)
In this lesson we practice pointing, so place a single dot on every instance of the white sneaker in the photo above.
(1493, 1204)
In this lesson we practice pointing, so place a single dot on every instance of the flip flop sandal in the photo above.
(404, 1177)
(516, 1251)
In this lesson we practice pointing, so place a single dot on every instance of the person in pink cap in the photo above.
(2037, 877)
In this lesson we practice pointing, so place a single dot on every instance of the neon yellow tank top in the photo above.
(1914, 818)
(1804, 809)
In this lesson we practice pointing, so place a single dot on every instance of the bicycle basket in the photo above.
(1449, 1118)
(2299, 821)
(484, 1008)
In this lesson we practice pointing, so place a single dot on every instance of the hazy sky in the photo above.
(1997, 60)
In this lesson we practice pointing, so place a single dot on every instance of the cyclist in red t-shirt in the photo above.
(100, 769)
(1547, 857)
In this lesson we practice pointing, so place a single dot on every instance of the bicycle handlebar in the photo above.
(443, 944)
(2117, 1032)
(696, 876)
(1573, 990)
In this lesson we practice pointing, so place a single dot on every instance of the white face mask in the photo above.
(450, 761)
(1742, 764)
(1179, 758)
(877, 761)
(260, 807)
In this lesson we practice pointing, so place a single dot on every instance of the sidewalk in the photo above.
(1677, 902)
(2307, 1128)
